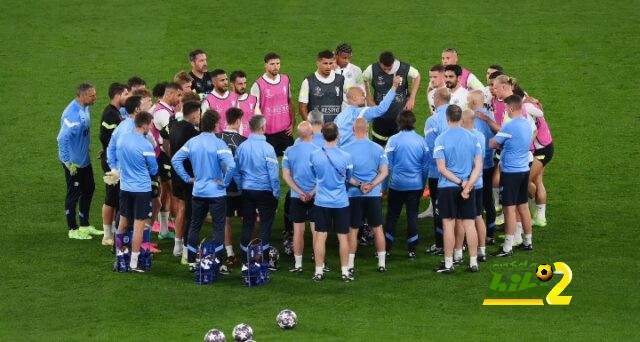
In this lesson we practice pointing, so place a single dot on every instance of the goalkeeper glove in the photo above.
(73, 168)
(112, 177)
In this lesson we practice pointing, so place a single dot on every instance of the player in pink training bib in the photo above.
(247, 102)
(273, 92)
(220, 98)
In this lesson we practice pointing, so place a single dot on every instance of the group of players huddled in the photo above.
(202, 145)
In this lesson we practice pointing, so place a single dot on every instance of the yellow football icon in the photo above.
(544, 272)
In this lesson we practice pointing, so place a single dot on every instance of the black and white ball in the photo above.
(274, 255)
(242, 332)
(287, 319)
(214, 335)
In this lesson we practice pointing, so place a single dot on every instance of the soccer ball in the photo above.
(214, 335)
(242, 332)
(274, 255)
(544, 272)
(287, 319)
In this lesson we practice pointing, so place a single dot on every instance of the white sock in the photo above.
(381, 259)
(473, 261)
(352, 258)
(541, 214)
(345, 270)
(508, 243)
(518, 235)
(496, 199)
(164, 222)
(319, 270)
(185, 252)
(481, 250)
(107, 231)
(177, 246)
(448, 262)
(298, 259)
(528, 238)
(134, 260)
(229, 249)
(457, 254)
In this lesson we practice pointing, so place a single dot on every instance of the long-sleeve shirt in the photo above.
(349, 114)
(484, 128)
(74, 138)
(212, 164)
(332, 167)
(408, 156)
(137, 162)
(125, 127)
(435, 125)
(111, 117)
(258, 165)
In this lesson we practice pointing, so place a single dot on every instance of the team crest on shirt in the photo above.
(337, 91)
(317, 91)
(349, 75)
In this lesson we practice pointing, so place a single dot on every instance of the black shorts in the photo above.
(451, 205)
(332, 219)
(180, 189)
(545, 154)
(155, 187)
(234, 205)
(112, 195)
(280, 141)
(513, 187)
(135, 205)
(300, 212)
(164, 167)
(478, 193)
(369, 208)
(383, 128)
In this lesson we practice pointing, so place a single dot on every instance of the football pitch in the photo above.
(579, 58)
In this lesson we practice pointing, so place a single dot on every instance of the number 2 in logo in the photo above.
(553, 297)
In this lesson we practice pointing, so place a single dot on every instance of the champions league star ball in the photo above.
(242, 332)
(214, 335)
(287, 319)
(274, 255)
(544, 272)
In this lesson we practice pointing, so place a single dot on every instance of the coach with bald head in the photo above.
(370, 168)
(435, 125)
(356, 108)
(296, 171)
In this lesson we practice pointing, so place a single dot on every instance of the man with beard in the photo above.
(452, 76)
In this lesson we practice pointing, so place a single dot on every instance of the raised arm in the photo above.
(376, 111)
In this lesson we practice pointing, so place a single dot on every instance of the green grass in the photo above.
(578, 57)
